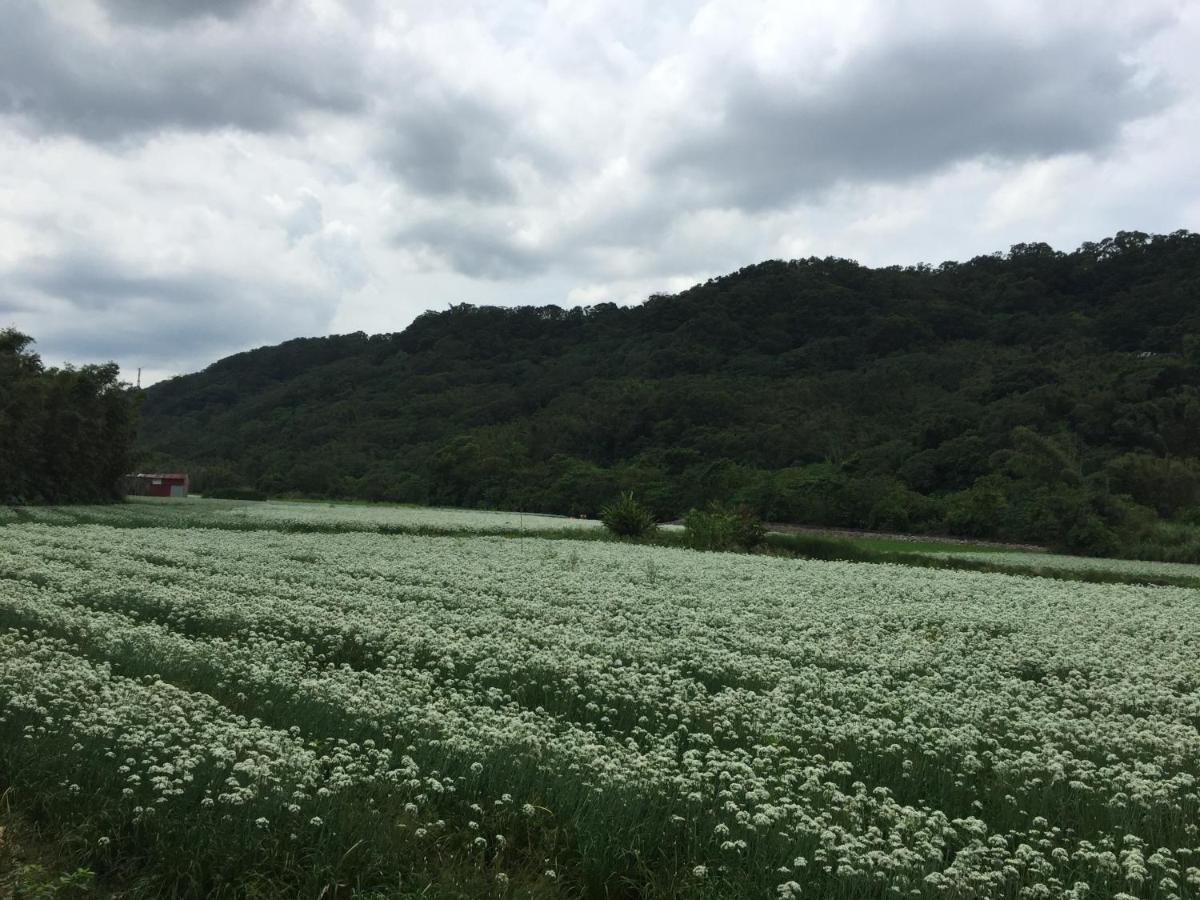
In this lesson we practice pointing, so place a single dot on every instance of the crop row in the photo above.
(573, 717)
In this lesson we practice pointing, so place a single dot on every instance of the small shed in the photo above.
(157, 484)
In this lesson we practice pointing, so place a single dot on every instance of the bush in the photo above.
(977, 511)
(1169, 486)
(627, 517)
(720, 528)
(1090, 537)
(899, 509)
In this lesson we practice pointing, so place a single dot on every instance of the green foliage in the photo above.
(65, 434)
(1090, 536)
(1191, 349)
(1005, 396)
(1177, 542)
(1169, 486)
(626, 517)
(720, 527)
(33, 882)
(979, 510)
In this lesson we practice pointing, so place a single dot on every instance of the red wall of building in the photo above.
(163, 489)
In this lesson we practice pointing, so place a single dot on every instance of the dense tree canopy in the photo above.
(65, 434)
(1036, 395)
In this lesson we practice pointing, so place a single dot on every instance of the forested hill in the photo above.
(1016, 395)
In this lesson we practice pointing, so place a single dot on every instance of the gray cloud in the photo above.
(335, 245)
(190, 339)
(474, 247)
(443, 141)
(92, 283)
(60, 78)
(160, 13)
(340, 254)
(908, 109)
(306, 217)
(187, 316)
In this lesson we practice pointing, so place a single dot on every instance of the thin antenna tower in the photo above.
(139, 384)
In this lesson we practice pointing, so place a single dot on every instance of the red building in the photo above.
(157, 485)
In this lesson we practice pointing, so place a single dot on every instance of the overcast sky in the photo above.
(183, 179)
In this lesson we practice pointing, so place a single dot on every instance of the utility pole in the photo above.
(139, 384)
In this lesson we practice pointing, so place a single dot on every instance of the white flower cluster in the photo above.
(1059, 563)
(764, 726)
(197, 512)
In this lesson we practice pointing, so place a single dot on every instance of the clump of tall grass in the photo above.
(721, 527)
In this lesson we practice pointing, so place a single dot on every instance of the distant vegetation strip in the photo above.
(290, 518)
(1058, 562)
(1054, 566)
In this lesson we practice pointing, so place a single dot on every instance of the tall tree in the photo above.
(65, 433)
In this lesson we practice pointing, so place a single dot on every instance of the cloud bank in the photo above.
(183, 180)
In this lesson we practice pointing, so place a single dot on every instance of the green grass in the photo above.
(43, 859)
(811, 547)
(37, 866)
(918, 545)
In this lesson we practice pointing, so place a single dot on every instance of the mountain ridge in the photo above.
(817, 391)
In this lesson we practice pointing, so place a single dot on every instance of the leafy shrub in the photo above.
(35, 883)
(627, 517)
(1090, 537)
(979, 510)
(1169, 486)
(810, 546)
(721, 528)
(899, 509)
(1177, 542)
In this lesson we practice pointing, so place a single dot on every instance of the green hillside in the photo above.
(1034, 395)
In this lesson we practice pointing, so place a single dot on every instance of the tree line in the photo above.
(65, 433)
(1033, 395)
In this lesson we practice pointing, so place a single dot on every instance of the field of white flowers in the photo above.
(296, 516)
(1056, 562)
(524, 717)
